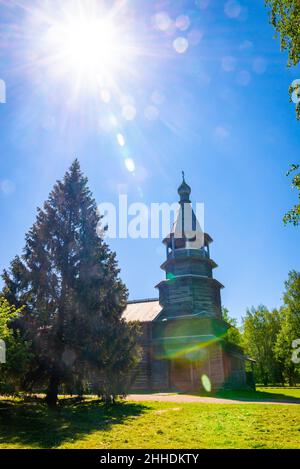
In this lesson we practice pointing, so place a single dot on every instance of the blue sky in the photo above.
(208, 95)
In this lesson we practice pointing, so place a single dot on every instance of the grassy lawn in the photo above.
(89, 424)
(264, 393)
(293, 392)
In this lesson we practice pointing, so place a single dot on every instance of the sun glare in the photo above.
(84, 42)
(86, 45)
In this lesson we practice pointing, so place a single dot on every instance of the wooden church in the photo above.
(183, 333)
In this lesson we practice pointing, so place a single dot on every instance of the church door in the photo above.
(181, 375)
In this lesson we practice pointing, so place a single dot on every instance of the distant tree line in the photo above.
(62, 303)
(268, 336)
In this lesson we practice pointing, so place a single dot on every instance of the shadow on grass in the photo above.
(31, 424)
(255, 396)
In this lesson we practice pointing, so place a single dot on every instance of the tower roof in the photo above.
(186, 229)
(184, 191)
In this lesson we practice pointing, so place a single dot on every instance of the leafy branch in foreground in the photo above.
(285, 17)
(293, 215)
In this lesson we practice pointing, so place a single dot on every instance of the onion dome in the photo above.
(184, 191)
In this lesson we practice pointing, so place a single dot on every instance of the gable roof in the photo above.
(142, 310)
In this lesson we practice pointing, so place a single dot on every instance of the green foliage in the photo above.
(285, 17)
(261, 328)
(233, 335)
(17, 350)
(290, 328)
(291, 296)
(119, 355)
(268, 336)
(7, 313)
(293, 215)
(68, 280)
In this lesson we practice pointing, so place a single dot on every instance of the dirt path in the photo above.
(182, 398)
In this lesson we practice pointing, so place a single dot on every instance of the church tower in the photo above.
(188, 334)
(184, 340)
(189, 287)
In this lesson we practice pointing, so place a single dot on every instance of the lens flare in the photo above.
(206, 383)
(170, 349)
(130, 165)
(121, 140)
(180, 45)
(85, 44)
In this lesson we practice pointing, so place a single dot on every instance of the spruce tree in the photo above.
(68, 280)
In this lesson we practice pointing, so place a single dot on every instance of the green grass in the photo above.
(289, 392)
(264, 393)
(89, 424)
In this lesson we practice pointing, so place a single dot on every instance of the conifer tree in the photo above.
(68, 280)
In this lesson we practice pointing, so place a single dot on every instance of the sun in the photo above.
(85, 43)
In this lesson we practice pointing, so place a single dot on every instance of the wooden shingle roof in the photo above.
(142, 310)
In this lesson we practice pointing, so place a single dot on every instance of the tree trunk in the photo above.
(291, 381)
(52, 392)
(266, 380)
(291, 377)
